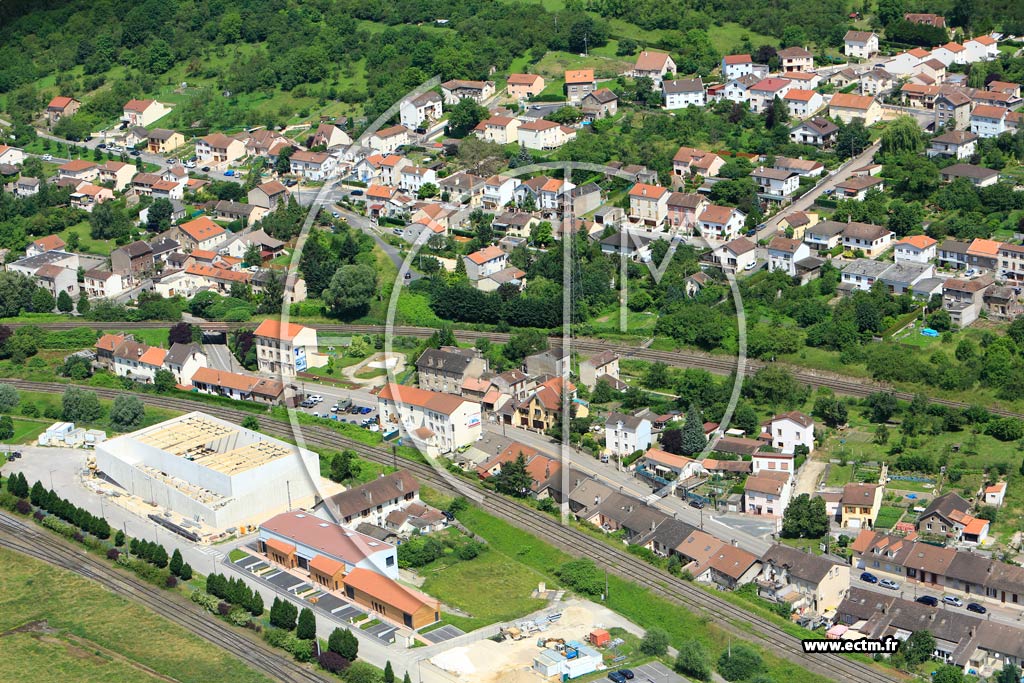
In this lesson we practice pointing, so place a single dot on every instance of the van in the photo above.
(344, 403)
(604, 457)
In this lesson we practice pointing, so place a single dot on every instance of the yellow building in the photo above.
(798, 222)
(860, 504)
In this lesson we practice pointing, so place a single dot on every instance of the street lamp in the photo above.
(51, 479)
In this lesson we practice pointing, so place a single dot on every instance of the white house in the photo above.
(738, 89)
(416, 111)
(950, 53)
(143, 112)
(499, 190)
(802, 103)
(860, 44)
(766, 90)
(994, 494)
(653, 65)
(182, 361)
(387, 140)
(720, 223)
(219, 150)
(315, 166)
(957, 144)
(626, 434)
(456, 90)
(981, 49)
(989, 121)
(412, 178)
(437, 422)
(736, 255)
(790, 430)
(784, 253)
(542, 134)
(501, 130)
(734, 66)
(817, 131)
(684, 92)
(915, 249)
(285, 350)
(485, 262)
(12, 156)
(775, 183)
(769, 461)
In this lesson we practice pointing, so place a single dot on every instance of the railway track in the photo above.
(734, 619)
(26, 539)
(682, 359)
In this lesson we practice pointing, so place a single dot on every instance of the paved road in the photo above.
(221, 358)
(827, 183)
(1003, 614)
(751, 533)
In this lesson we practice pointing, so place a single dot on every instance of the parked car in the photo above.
(102, 145)
(316, 397)
(229, 173)
(47, 157)
(869, 577)
(356, 193)
(890, 584)
(17, 454)
(952, 600)
(11, 458)
(750, 266)
(335, 214)
(135, 153)
(697, 504)
(616, 677)
(205, 169)
(929, 600)
(365, 410)
(344, 404)
(627, 673)
(448, 515)
(976, 607)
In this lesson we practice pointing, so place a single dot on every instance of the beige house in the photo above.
(437, 422)
(523, 86)
(502, 130)
(446, 369)
(456, 90)
(648, 204)
(162, 141)
(60, 107)
(542, 134)
(806, 581)
(860, 505)
(118, 173)
(218, 149)
(144, 112)
(846, 107)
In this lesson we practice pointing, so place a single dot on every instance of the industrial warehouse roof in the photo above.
(207, 441)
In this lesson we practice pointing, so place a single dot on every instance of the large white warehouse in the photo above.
(211, 471)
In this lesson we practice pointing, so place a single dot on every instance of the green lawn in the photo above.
(86, 243)
(154, 336)
(26, 431)
(94, 636)
(554, 64)
(501, 587)
(839, 475)
(888, 516)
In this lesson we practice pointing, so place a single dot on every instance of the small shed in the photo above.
(599, 637)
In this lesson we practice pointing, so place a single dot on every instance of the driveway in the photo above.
(221, 358)
(827, 183)
(808, 476)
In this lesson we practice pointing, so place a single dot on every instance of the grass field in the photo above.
(501, 587)
(86, 243)
(554, 65)
(887, 517)
(27, 430)
(839, 475)
(74, 630)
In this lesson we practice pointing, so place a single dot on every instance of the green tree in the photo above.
(164, 381)
(64, 302)
(253, 255)
(541, 234)
(255, 605)
(740, 662)
(692, 660)
(126, 412)
(361, 672)
(342, 642)
(852, 139)
(831, 410)
(344, 466)
(176, 562)
(902, 135)
(463, 117)
(918, 648)
(389, 673)
(6, 427)
(692, 437)
(158, 218)
(108, 221)
(42, 301)
(250, 422)
(805, 517)
(655, 642)
(159, 556)
(283, 165)
(9, 398)
(883, 406)
(306, 629)
(79, 405)
(1008, 674)
(83, 303)
(427, 191)
(351, 290)
(656, 376)
(513, 479)
(406, 679)
(582, 576)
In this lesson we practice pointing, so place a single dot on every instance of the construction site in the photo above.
(553, 645)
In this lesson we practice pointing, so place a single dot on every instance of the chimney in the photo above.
(597, 500)
(735, 543)
(653, 525)
(399, 484)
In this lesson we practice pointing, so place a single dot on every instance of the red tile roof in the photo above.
(273, 329)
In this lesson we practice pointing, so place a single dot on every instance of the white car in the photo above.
(890, 584)
(952, 600)
(316, 397)
(47, 157)
(750, 266)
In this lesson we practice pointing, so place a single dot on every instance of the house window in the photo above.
(390, 562)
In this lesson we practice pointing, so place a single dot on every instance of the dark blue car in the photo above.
(869, 577)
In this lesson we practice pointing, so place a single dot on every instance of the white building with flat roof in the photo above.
(211, 471)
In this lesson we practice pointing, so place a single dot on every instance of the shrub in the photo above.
(693, 662)
(301, 649)
(223, 608)
(654, 642)
(333, 662)
(582, 576)
(22, 507)
(171, 581)
(741, 663)
(239, 617)
(113, 554)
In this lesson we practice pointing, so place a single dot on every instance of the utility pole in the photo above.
(288, 485)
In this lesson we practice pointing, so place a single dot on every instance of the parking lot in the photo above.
(439, 635)
(359, 413)
(655, 672)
